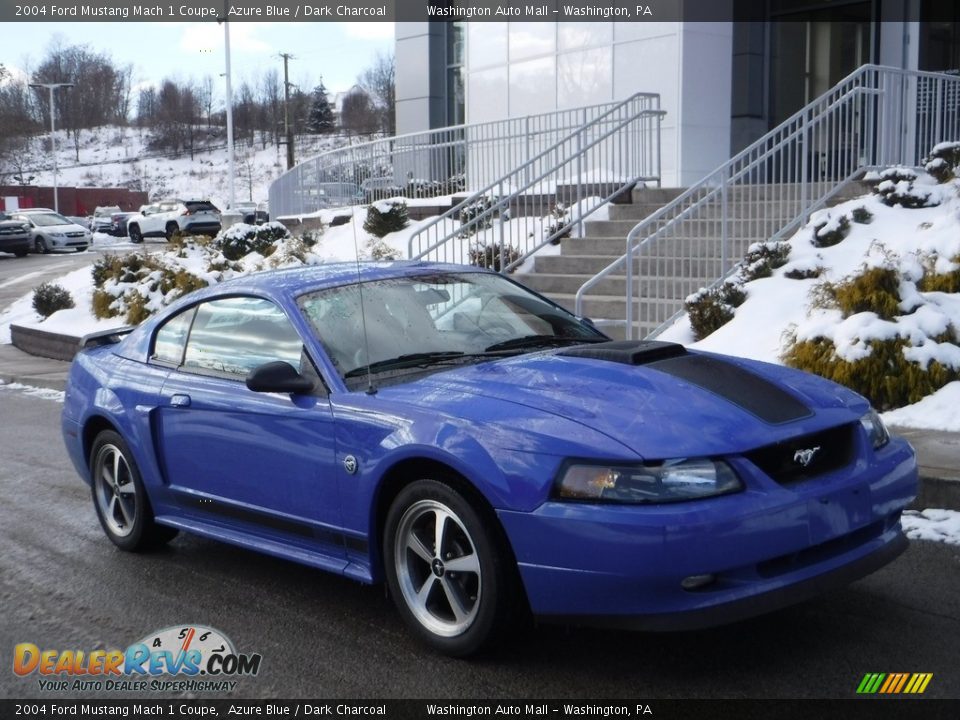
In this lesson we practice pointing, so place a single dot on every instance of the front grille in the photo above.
(824, 451)
(75, 234)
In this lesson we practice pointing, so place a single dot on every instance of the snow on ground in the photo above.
(77, 321)
(936, 525)
(114, 156)
(896, 237)
(42, 393)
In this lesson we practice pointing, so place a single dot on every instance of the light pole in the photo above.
(53, 139)
(226, 42)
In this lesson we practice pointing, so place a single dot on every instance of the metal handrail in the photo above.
(441, 161)
(599, 139)
(876, 116)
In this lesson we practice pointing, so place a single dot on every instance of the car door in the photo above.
(260, 463)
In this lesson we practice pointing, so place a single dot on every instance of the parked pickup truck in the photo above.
(169, 217)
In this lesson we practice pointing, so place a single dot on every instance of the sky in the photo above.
(337, 51)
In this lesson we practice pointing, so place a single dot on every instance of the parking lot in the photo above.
(63, 585)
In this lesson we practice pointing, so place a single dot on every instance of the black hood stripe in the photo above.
(744, 389)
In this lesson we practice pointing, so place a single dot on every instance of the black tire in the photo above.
(120, 499)
(483, 585)
(134, 232)
(20, 253)
(171, 230)
(40, 246)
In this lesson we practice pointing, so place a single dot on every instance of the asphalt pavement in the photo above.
(63, 585)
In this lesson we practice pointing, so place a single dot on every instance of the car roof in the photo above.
(27, 211)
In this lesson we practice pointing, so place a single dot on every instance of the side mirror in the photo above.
(587, 321)
(279, 377)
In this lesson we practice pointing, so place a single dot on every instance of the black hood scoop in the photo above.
(627, 352)
(745, 389)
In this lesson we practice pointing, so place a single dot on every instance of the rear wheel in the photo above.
(447, 569)
(20, 253)
(171, 230)
(120, 499)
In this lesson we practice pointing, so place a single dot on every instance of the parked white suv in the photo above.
(168, 217)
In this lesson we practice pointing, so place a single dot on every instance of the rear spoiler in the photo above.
(105, 337)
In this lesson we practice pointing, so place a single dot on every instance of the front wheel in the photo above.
(40, 246)
(135, 235)
(447, 570)
(120, 499)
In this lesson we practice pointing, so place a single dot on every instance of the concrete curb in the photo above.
(44, 344)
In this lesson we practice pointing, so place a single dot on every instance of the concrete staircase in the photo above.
(670, 271)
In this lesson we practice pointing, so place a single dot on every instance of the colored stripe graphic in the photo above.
(894, 683)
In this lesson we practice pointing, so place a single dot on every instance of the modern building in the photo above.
(722, 84)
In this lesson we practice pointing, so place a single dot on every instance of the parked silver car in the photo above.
(52, 231)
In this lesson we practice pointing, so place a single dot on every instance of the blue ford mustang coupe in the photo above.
(483, 452)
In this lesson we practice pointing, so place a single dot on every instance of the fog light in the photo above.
(694, 582)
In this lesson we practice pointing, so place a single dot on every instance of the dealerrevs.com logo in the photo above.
(175, 659)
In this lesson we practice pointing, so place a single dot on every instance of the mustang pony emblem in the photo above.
(805, 457)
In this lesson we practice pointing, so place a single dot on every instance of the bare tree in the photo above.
(380, 80)
(358, 114)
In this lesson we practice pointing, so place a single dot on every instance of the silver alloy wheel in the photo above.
(116, 491)
(438, 568)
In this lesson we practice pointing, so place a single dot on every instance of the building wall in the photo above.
(72, 200)
(420, 76)
(516, 69)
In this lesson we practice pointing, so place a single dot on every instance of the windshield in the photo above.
(415, 321)
(48, 219)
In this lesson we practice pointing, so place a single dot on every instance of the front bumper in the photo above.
(764, 548)
(14, 244)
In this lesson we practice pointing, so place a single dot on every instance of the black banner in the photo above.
(417, 10)
(865, 709)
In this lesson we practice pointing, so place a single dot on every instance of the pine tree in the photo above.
(320, 119)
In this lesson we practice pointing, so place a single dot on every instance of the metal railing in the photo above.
(876, 117)
(608, 150)
(432, 163)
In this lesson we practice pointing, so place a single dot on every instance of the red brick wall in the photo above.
(75, 201)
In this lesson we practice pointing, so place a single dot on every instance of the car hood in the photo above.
(657, 410)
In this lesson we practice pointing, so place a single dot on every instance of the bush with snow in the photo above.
(488, 256)
(241, 239)
(943, 163)
(711, 308)
(902, 186)
(135, 286)
(762, 259)
(386, 217)
(831, 230)
(48, 298)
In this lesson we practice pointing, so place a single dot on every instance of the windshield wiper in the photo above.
(410, 360)
(532, 341)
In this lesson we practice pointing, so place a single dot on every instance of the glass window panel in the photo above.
(584, 77)
(235, 335)
(533, 87)
(487, 94)
(169, 340)
(580, 35)
(486, 44)
(531, 39)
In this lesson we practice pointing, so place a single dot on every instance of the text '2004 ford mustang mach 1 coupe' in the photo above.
(483, 452)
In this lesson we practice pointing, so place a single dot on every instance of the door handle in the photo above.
(180, 401)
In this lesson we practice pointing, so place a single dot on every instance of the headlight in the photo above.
(57, 234)
(669, 481)
(876, 430)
